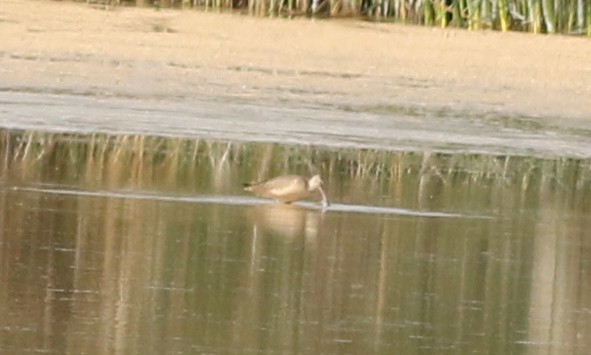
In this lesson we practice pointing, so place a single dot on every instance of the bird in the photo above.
(288, 188)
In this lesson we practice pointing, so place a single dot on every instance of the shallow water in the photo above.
(325, 124)
(144, 244)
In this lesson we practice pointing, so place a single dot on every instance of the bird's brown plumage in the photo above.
(288, 188)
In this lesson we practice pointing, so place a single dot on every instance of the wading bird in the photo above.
(288, 188)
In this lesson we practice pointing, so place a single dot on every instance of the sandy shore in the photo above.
(75, 48)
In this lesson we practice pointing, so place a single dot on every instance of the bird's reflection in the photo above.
(289, 221)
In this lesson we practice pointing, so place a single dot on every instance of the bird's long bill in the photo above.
(325, 201)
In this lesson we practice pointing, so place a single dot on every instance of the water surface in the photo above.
(326, 124)
(146, 244)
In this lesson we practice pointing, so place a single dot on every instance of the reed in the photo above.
(537, 16)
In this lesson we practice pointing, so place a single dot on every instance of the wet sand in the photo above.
(65, 47)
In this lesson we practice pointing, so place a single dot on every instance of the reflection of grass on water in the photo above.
(124, 158)
(176, 258)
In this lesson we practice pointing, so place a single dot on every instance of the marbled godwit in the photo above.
(288, 188)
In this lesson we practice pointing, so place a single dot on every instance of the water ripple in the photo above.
(242, 201)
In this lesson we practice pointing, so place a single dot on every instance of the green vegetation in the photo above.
(537, 16)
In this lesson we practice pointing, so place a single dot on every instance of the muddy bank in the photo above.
(344, 66)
